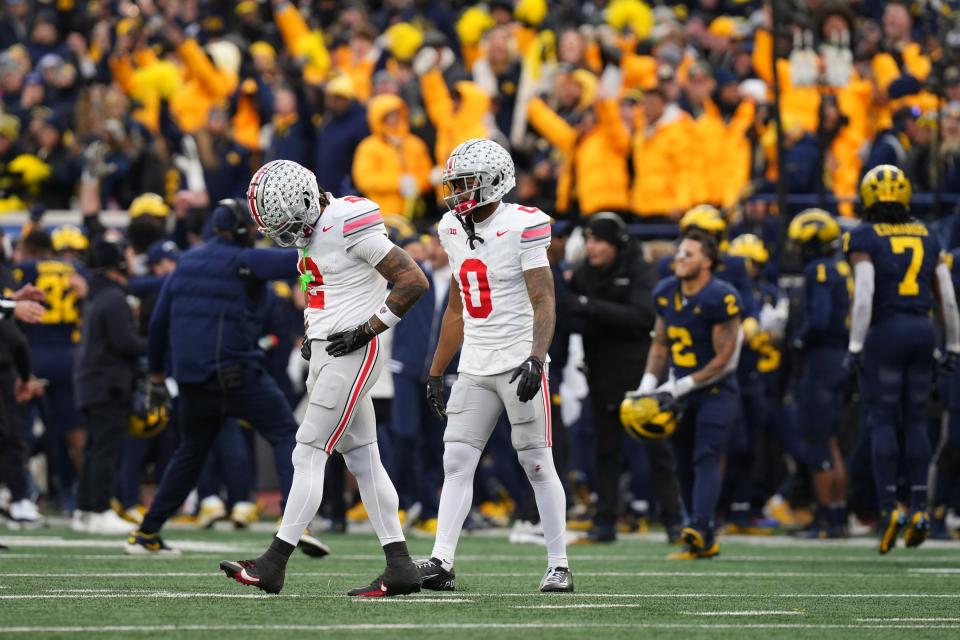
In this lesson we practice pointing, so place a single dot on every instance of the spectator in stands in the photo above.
(498, 73)
(338, 136)
(457, 115)
(664, 152)
(226, 164)
(292, 131)
(893, 145)
(14, 23)
(392, 166)
(721, 120)
(64, 164)
(594, 151)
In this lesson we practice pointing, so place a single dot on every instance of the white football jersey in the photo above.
(345, 289)
(497, 314)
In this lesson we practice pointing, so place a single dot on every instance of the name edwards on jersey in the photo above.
(497, 314)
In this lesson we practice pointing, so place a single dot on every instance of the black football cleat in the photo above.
(434, 577)
(394, 581)
(255, 573)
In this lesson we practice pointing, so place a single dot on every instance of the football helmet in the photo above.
(149, 204)
(885, 183)
(145, 422)
(649, 416)
(69, 237)
(286, 202)
(708, 219)
(478, 172)
(750, 247)
(815, 232)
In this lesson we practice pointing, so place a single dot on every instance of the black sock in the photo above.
(279, 552)
(396, 553)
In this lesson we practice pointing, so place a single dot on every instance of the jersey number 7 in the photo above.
(902, 244)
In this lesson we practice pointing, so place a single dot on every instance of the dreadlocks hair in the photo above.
(892, 212)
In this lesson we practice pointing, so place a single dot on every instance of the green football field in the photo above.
(55, 584)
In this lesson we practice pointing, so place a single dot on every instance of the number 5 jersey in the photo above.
(497, 314)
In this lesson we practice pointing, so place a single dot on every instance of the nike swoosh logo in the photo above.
(431, 576)
(246, 576)
(500, 233)
(325, 229)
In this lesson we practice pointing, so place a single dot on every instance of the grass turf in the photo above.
(771, 588)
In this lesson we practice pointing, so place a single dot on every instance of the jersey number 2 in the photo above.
(476, 288)
(681, 341)
(314, 292)
(901, 244)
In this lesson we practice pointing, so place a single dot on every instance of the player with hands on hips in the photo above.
(345, 264)
(501, 310)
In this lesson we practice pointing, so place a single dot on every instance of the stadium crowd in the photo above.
(627, 122)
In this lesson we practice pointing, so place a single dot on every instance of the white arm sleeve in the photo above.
(371, 248)
(948, 304)
(863, 275)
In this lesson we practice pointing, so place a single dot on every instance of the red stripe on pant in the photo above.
(546, 405)
(353, 399)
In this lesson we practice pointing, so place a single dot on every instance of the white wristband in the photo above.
(684, 386)
(648, 384)
(387, 317)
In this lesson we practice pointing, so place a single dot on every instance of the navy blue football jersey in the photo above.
(60, 323)
(690, 321)
(904, 257)
(827, 287)
(732, 270)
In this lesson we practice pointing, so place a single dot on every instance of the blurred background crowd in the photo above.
(133, 119)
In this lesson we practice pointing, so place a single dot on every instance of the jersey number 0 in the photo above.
(476, 288)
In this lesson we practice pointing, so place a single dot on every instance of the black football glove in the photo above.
(156, 395)
(306, 350)
(531, 376)
(853, 362)
(435, 397)
(344, 342)
(948, 363)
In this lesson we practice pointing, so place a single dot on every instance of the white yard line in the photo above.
(318, 628)
(744, 596)
(936, 570)
(111, 542)
(741, 613)
(576, 606)
(139, 594)
(908, 619)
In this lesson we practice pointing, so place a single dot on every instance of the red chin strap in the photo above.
(464, 208)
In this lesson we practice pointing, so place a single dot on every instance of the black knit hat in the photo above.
(608, 227)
